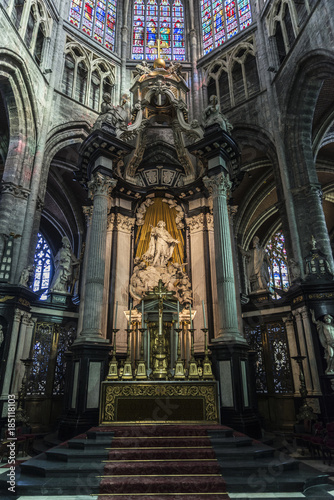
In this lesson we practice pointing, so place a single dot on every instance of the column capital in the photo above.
(218, 185)
(101, 185)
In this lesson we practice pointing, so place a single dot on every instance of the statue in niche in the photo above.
(257, 267)
(213, 116)
(65, 260)
(326, 336)
(161, 246)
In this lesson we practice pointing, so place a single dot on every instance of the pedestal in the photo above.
(231, 366)
(87, 366)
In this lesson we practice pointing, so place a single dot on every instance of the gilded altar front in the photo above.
(163, 402)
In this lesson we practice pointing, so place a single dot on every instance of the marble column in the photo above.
(100, 187)
(198, 275)
(219, 186)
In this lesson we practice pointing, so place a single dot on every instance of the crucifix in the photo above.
(160, 292)
(160, 44)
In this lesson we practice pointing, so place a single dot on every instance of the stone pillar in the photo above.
(198, 275)
(88, 212)
(106, 292)
(219, 186)
(100, 187)
(124, 227)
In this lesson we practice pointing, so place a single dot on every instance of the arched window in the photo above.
(96, 18)
(30, 29)
(158, 19)
(221, 19)
(39, 44)
(278, 270)
(42, 262)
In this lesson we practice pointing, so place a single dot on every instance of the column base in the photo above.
(87, 367)
(232, 368)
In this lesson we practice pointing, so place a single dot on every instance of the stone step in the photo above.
(231, 441)
(244, 452)
(81, 444)
(73, 454)
(60, 469)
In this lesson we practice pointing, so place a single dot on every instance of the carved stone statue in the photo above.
(142, 69)
(257, 267)
(294, 271)
(65, 260)
(161, 246)
(114, 116)
(213, 116)
(25, 275)
(326, 336)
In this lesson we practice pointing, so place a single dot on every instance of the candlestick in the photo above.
(116, 314)
(191, 319)
(204, 318)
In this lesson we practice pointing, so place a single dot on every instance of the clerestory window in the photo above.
(222, 19)
(96, 18)
(42, 263)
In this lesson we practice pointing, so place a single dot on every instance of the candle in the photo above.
(178, 314)
(204, 318)
(191, 319)
(116, 314)
(142, 314)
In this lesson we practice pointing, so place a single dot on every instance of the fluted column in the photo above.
(219, 186)
(100, 188)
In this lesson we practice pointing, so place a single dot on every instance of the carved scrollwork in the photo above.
(195, 223)
(124, 223)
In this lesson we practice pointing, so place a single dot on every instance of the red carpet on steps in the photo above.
(161, 462)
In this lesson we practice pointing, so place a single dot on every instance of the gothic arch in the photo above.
(16, 87)
(309, 76)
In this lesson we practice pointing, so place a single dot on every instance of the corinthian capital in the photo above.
(101, 185)
(218, 185)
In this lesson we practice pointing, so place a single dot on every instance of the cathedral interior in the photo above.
(167, 213)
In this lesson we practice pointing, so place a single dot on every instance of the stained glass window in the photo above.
(96, 18)
(158, 19)
(222, 19)
(42, 262)
(278, 270)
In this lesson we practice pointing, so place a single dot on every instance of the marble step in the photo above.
(39, 466)
(231, 441)
(267, 480)
(244, 452)
(275, 465)
(73, 454)
(90, 443)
